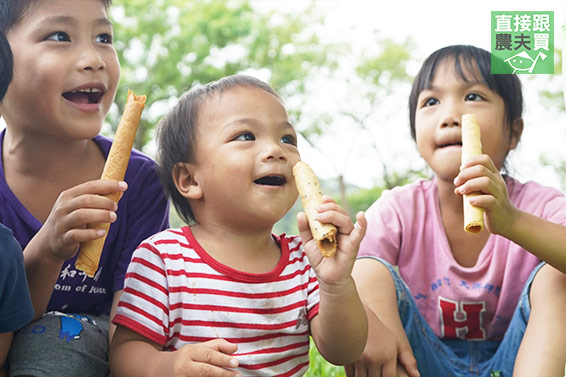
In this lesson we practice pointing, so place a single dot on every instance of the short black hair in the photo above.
(11, 11)
(176, 133)
(6, 65)
(468, 59)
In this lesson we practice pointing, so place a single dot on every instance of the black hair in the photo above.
(176, 133)
(467, 60)
(12, 11)
(6, 65)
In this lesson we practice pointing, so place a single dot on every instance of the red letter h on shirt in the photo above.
(462, 319)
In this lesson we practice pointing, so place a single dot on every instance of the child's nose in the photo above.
(91, 60)
(451, 117)
(273, 151)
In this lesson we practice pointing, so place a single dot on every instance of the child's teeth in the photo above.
(91, 90)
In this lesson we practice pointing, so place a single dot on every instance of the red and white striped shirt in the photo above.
(176, 294)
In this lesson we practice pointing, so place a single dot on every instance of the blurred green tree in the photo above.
(166, 47)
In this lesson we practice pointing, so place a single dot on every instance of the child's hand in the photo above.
(75, 208)
(204, 359)
(385, 353)
(480, 175)
(337, 269)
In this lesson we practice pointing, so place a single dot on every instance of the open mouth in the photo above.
(271, 180)
(84, 96)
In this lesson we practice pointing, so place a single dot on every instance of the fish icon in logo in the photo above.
(523, 61)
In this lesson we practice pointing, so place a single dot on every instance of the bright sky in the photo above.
(431, 24)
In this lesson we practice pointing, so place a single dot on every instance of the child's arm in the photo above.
(388, 348)
(544, 239)
(340, 328)
(63, 231)
(133, 355)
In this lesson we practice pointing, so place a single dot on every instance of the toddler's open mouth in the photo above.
(271, 180)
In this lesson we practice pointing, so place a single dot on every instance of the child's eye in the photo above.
(289, 139)
(246, 136)
(59, 36)
(104, 38)
(431, 102)
(474, 97)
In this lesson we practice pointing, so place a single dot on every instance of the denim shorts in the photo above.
(460, 358)
(63, 345)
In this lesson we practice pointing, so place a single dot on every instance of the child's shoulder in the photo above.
(10, 249)
(529, 188)
(169, 235)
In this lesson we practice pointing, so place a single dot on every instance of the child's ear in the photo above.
(516, 132)
(185, 182)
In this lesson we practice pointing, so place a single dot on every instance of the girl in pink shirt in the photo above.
(464, 304)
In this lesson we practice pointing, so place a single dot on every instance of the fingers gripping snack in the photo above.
(471, 146)
(115, 168)
(311, 197)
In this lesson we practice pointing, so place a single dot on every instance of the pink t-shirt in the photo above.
(405, 229)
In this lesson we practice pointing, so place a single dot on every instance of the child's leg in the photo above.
(543, 349)
(431, 353)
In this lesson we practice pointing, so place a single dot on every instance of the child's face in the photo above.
(65, 69)
(439, 115)
(245, 151)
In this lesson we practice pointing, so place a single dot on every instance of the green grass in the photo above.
(321, 368)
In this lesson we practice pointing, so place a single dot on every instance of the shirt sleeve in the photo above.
(144, 304)
(555, 208)
(383, 235)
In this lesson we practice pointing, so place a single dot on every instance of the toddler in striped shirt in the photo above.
(223, 296)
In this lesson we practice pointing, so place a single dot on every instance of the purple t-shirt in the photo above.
(405, 229)
(142, 212)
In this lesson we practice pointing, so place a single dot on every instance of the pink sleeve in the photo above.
(555, 209)
(383, 236)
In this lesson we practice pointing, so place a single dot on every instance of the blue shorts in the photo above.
(63, 345)
(460, 358)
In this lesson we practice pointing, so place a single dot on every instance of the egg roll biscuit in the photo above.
(311, 197)
(471, 146)
(114, 168)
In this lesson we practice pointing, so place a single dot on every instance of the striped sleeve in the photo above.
(144, 305)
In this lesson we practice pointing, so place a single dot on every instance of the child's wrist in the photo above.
(39, 249)
(338, 289)
(513, 225)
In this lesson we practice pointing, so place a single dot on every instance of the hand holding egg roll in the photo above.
(311, 197)
(115, 168)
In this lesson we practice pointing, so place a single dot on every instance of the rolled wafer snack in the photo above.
(311, 197)
(471, 146)
(114, 168)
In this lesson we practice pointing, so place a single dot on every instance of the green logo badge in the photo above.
(522, 42)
